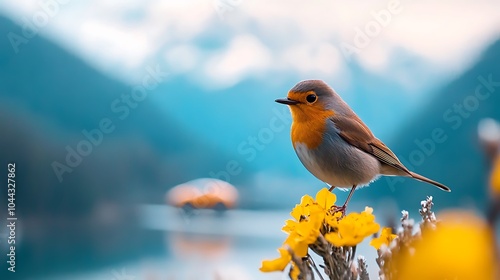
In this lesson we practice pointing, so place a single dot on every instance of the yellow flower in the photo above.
(316, 216)
(297, 244)
(308, 231)
(299, 212)
(294, 274)
(325, 199)
(304, 233)
(333, 219)
(277, 264)
(461, 247)
(385, 237)
(306, 200)
(309, 216)
(353, 228)
(302, 210)
(289, 226)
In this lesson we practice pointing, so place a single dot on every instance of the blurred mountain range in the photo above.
(47, 98)
(181, 131)
(441, 140)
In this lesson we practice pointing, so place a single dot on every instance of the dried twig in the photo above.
(363, 269)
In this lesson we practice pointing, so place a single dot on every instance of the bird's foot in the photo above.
(342, 209)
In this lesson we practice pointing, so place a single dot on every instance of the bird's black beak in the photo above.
(287, 101)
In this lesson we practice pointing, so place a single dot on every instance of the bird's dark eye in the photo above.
(311, 98)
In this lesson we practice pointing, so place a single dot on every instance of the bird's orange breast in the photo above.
(309, 125)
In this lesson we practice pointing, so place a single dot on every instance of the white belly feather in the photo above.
(339, 164)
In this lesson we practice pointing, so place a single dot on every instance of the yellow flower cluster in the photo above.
(352, 229)
(461, 247)
(319, 216)
(385, 237)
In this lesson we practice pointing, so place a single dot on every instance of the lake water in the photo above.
(203, 245)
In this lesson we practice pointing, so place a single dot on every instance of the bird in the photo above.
(335, 145)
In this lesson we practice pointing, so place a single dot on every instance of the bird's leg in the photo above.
(349, 196)
(343, 207)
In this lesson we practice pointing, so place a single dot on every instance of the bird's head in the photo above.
(313, 99)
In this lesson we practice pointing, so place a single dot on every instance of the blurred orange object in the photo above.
(495, 176)
(205, 193)
(461, 247)
(489, 138)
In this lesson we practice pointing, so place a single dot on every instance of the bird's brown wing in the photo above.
(357, 134)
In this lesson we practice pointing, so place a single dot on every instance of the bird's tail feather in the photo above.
(427, 180)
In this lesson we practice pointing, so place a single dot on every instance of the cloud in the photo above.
(121, 45)
(245, 56)
(323, 60)
(375, 58)
(183, 58)
(281, 35)
(118, 37)
(447, 33)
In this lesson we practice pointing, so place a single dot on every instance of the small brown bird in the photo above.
(334, 144)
